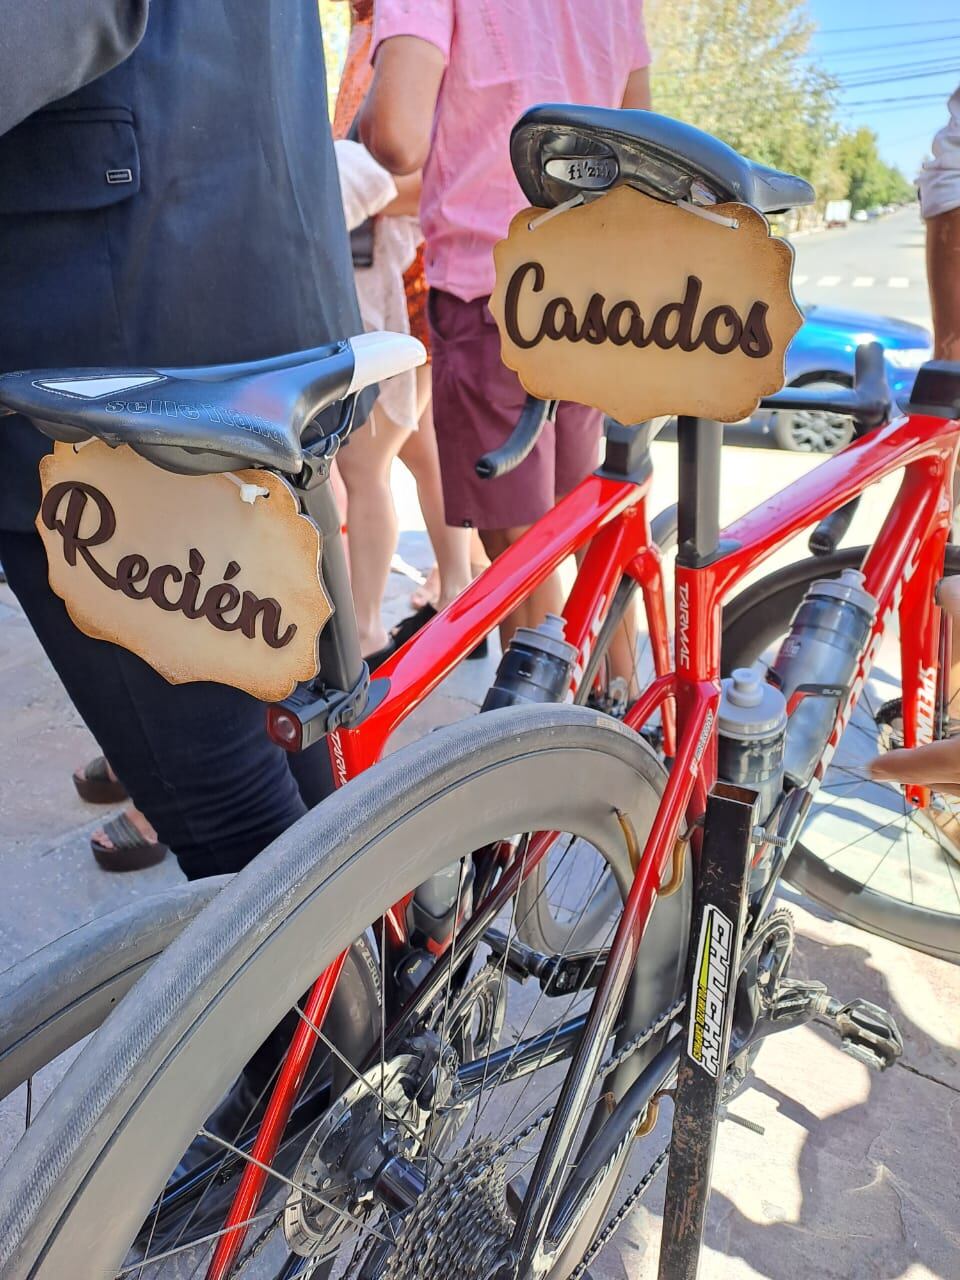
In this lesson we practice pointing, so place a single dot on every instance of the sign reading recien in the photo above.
(181, 571)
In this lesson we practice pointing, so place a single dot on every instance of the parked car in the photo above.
(822, 354)
(860, 215)
(837, 213)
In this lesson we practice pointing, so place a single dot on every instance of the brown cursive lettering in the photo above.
(675, 324)
(63, 510)
(512, 301)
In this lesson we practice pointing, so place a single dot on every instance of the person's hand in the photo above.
(407, 200)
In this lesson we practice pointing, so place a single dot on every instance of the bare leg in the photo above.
(371, 519)
(938, 763)
(943, 277)
(548, 597)
(451, 545)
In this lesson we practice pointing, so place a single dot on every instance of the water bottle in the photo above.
(826, 639)
(751, 726)
(435, 902)
(537, 667)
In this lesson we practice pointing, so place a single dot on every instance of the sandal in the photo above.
(129, 848)
(95, 784)
(405, 630)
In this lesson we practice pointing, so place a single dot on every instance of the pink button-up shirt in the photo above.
(502, 56)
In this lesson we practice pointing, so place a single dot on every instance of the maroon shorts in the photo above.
(476, 403)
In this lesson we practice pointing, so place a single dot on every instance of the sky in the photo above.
(913, 62)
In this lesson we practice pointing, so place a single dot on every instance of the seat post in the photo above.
(341, 662)
(699, 442)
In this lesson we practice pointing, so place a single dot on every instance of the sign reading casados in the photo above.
(642, 308)
(179, 570)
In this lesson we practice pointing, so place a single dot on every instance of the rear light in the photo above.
(284, 728)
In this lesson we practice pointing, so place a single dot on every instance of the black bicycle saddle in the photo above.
(560, 151)
(214, 418)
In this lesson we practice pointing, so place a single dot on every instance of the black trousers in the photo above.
(194, 758)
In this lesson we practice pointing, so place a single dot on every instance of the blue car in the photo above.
(822, 354)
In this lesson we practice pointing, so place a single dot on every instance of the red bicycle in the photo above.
(474, 1078)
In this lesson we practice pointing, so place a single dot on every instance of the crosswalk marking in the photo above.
(857, 282)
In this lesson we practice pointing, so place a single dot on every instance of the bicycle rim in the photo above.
(86, 1175)
(549, 899)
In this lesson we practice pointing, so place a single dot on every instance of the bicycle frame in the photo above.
(610, 514)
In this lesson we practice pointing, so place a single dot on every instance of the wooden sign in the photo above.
(642, 308)
(180, 570)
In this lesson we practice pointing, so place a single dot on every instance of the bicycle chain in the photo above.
(613, 1226)
(465, 1207)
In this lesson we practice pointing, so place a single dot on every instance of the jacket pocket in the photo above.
(67, 160)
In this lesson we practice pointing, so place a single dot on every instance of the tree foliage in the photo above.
(870, 180)
(335, 21)
(743, 70)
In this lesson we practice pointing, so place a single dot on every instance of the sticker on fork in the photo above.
(708, 999)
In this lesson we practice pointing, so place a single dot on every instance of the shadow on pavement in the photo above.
(876, 1179)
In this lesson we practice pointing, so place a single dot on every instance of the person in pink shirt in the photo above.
(451, 79)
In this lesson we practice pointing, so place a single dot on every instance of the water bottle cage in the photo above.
(813, 691)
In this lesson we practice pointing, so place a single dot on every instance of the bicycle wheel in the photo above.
(862, 853)
(59, 994)
(549, 899)
(462, 1095)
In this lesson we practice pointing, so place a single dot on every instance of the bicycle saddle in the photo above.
(214, 418)
(561, 151)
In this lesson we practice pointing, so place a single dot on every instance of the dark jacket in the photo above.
(182, 208)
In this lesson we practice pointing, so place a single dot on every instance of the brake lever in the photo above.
(533, 418)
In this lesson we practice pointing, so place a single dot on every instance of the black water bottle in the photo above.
(537, 667)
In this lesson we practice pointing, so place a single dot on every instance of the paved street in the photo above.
(875, 266)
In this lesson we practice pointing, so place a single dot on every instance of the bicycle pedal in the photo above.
(867, 1032)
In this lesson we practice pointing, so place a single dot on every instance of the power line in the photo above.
(876, 48)
(887, 26)
(942, 69)
(903, 102)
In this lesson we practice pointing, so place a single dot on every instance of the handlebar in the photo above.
(533, 417)
(869, 401)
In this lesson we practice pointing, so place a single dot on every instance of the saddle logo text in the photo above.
(709, 994)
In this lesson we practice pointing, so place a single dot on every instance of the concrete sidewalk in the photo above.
(856, 1175)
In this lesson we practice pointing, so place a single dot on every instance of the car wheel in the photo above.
(813, 430)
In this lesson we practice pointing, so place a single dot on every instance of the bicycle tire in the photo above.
(540, 927)
(754, 620)
(78, 1185)
(62, 992)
